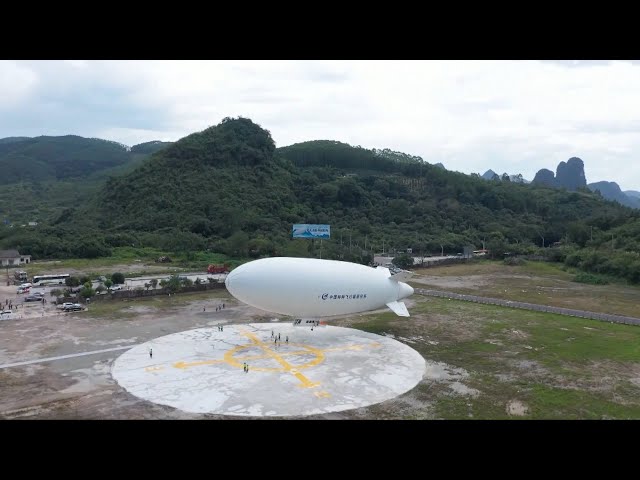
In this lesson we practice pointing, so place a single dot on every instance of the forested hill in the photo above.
(46, 158)
(330, 153)
(210, 184)
(41, 176)
(228, 189)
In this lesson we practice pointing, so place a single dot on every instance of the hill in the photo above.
(58, 158)
(612, 191)
(632, 193)
(228, 189)
(12, 139)
(43, 175)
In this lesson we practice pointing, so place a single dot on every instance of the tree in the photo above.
(86, 292)
(108, 283)
(117, 278)
(56, 292)
(174, 283)
(147, 285)
(72, 281)
(154, 283)
(403, 261)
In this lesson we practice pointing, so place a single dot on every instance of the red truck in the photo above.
(218, 268)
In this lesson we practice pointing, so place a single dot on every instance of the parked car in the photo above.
(73, 307)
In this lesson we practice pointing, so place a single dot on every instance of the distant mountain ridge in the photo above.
(611, 191)
(44, 158)
(491, 175)
(632, 193)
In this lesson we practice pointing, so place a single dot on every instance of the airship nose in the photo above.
(404, 290)
(230, 279)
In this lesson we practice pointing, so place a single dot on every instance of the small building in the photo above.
(12, 258)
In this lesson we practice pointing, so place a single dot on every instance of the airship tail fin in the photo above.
(399, 308)
(402, 276)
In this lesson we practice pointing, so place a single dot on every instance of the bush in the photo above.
(72, 281)
(590, 279)
(514, 261)
(403, 261)
(117, 278)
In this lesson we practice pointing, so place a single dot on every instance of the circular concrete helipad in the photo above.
(325, 370)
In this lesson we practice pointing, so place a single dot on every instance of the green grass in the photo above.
(559, 403)
(578, 368)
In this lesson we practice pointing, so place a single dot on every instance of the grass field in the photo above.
(534, 282)
(508, 363)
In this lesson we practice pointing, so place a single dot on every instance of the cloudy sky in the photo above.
(510, 116)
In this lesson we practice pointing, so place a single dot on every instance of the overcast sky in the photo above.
(510, 116)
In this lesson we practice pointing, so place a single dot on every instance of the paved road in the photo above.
(605, 317)
(60, 357)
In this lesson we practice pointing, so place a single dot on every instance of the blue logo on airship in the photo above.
(353, 296)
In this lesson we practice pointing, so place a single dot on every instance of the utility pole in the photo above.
(442, 252)
(592, 233)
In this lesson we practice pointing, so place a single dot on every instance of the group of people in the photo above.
(218, 308)
(276, 338)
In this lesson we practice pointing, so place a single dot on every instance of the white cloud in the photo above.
(513, 116)
(16, 83)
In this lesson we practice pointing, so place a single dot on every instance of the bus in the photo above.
(50, 279)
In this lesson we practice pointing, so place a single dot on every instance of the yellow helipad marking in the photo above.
(232, 359)
(196, 364)
(266, 348)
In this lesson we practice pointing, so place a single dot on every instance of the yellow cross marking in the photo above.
(235, 361)
(306, 383)
(184, 365)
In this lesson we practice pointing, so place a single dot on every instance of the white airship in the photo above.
(314, 288)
